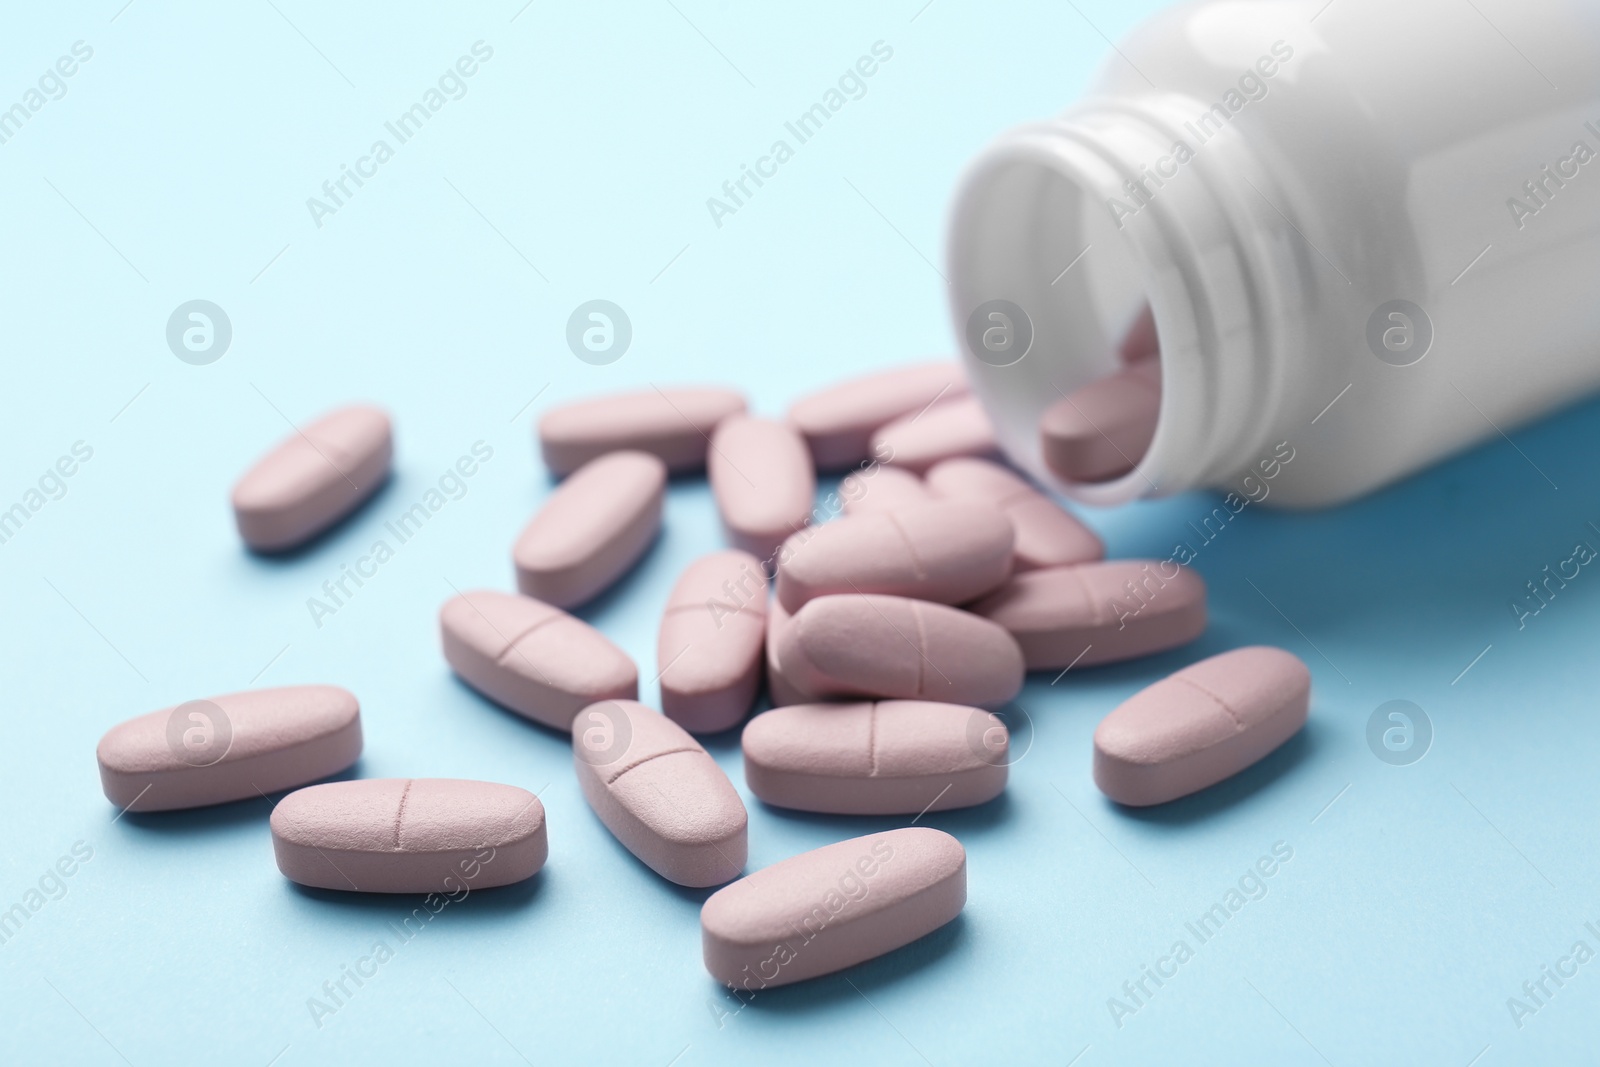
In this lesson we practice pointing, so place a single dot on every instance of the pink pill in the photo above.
(1047, 536)
(882, 488)
(313, 478)
(409, 835)
(1101, 430)
(1140, 342)
(1200, 725)
(892, 757)
(946, 551)
(1098, 612)
(659, 793)
(530, 657)
(838, 422)
(710, 646)
(229, 747)
(889, 646)
(591, 529)
(950, 428)
(674, 425)
(833, 907)
(779, 688)
(762, 478)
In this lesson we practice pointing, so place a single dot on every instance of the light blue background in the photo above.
(177, 166)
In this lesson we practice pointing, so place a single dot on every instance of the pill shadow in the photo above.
(832, 991)
(494, 902)
(560, 736)
(222, 818)
(297, 553)
(1233, 791)
(613, 599)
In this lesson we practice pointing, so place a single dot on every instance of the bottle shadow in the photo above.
(1425, 567)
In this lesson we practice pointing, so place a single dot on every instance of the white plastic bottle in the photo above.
(1368, 228)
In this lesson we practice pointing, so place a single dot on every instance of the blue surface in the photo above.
(576, 166)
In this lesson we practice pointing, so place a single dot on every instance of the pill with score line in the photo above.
(898, 648)
(1092, 613)
(659, 793)
(409, 835)
(889, 757)
(1205, 723)
(531, 657)
(946, 551)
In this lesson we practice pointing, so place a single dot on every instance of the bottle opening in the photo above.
(1059, 324)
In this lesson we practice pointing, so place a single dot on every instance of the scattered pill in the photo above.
(892, 757)
(779, 688)
(761, 476)
(672, 424)
(895, 647)
(1101, 430)
(1203, 724)
(947, 551)
(1094, 613)
(594, 527)
(833, 907)
(229, 747)
(409, 835)
(711, 642)
(1047, 535)
(535, 659)
(947, 429)
(838, 422)
(659, 793)
(882, 488)
(313, 478)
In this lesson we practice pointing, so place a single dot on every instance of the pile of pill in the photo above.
(886, 639)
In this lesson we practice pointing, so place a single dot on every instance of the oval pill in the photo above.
(535, 659)
(594, 527)
(711, 643)
(671, 424)
(761, 476)
(229, 747)
(882, 488)
(659, 793)
(838, 422)
(888, 646)
(1203, 724)
(1047, 535)
(833, 907)
(948, 429)
(1093, 613)
(892, 757)
(1101, 430)
(409, 835)
(947, 551)
(313, 478)
(780, 690)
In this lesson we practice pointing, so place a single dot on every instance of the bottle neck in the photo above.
(1081, 222)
